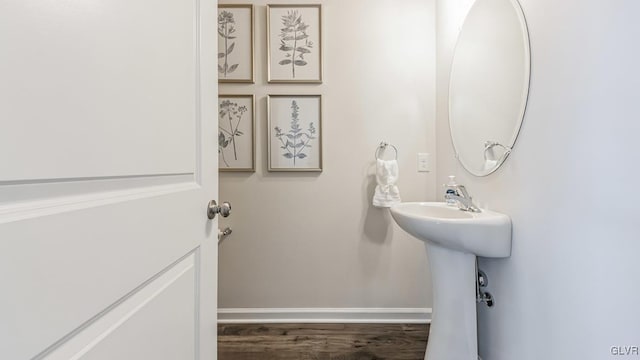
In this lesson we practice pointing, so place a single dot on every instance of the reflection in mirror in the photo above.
(489, 84)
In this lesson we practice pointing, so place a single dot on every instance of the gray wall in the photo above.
(570, 289)
(314, 240)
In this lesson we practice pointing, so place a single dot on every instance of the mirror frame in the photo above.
(525, 31)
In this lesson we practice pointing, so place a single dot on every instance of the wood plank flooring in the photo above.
(322, 342)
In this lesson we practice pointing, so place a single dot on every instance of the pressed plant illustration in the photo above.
(294, 41)
(226, 29)
(232, 114)
(295, 141)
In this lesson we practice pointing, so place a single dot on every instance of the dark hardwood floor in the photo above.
(322, 342)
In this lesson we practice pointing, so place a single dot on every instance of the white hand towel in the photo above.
(490, 164)
(387, 192)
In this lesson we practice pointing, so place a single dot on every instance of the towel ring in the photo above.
(383, 145)
(490, 144)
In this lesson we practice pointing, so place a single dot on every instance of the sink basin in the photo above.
(486, 234)
(453, 238)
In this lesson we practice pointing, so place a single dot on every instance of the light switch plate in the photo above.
(424, 162)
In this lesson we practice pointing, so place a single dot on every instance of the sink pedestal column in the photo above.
(453, 332)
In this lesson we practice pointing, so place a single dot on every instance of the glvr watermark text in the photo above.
(625, 350)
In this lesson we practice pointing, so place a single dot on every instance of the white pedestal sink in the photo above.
(453, 239)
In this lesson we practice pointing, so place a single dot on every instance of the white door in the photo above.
(107, 161)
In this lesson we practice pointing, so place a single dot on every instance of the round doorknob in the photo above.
(212, 209)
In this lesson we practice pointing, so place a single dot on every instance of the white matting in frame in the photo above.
(295, 132)
(294, 42)
(236, 133)
(235, 43)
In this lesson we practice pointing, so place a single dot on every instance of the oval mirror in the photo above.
(489, 84)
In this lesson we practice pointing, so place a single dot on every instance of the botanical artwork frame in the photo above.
(294, 131)
(236, 133)
(294, 43)
(236, 43)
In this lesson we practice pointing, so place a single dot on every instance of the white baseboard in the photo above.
(321, 315)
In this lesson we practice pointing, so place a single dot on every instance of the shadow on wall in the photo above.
(377, 221)
(377, 231)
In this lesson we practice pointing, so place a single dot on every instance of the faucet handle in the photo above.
(462, 191)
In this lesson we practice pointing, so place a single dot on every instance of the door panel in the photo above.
(77, 263)
(108, 160)
(89, 79)
(121, 332)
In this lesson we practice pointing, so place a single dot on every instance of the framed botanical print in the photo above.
(235, 43)
(236, 133)
(294, 43)
(294, 132)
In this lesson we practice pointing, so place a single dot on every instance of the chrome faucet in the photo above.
(461, 196)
